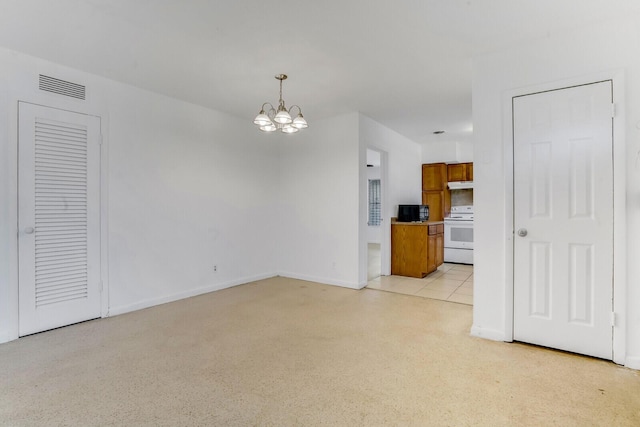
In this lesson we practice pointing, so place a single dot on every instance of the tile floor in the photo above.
(451, 282)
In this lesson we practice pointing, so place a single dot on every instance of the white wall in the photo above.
(449, 151)
(464, 152)
(324, 197)
(580, 55)
(189, 188)
(186, 187)
(401, 183)
(319, 196)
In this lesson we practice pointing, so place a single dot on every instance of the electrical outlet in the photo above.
(215, 268)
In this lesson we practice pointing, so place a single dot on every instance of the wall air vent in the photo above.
(61, 87)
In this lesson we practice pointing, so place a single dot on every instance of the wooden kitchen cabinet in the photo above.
(409, 249)
(435, 200)
(431, 258)
(417, 249)
(440, 246)
(434, 177)
(460, 172)
(436, 246)
(435, 192)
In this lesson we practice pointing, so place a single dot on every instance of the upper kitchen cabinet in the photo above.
(459, 172)
(434, 177)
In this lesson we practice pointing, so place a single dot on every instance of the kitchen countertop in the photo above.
(394, 222)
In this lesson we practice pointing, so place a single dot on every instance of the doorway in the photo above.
(58, 218)
(563, 219)
(374, 214)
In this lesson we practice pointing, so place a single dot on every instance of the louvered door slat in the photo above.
(58, 167)
(59, 283)
(60, 255)
(68, 142)
(61, 272)
(70, 289)
(59, 198)
(50, 223)
(66, 296)
(52, 158)
(61, 243)
(61, 153)
(58, 182)
(53, 261)
(61, 237)
(55, 213)
(65, 135)
(46, 201)
(53, 268)
(54, 247)
(61, 175)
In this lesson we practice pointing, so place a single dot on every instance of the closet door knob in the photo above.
(522, 232)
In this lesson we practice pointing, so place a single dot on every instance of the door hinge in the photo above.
(613, 319)
(100, 139)
(613, 110)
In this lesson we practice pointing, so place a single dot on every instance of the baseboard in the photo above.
(114, 311)
(632, 362)
(322, 280)
(489, 334)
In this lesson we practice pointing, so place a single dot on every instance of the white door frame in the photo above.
(11, 110)
(619, 200)
(385, 226)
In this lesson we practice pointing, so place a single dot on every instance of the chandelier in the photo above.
(271, 119)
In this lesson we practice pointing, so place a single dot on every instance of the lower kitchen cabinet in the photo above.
(417, 249)
(440, 247)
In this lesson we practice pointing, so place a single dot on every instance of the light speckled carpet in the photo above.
(283, 352)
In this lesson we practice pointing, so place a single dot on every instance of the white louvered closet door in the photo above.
(59, 218)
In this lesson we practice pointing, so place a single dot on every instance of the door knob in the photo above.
(29, 230)
(522, 232)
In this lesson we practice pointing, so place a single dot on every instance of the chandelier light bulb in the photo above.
(262, 119)
(268, 127)
(283, 116)
(299, 122)
(289, 129)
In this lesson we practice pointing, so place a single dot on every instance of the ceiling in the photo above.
(404, 63)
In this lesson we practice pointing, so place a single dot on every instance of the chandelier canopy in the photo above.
(272, 119)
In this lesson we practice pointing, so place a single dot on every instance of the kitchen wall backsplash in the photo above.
(462, 197)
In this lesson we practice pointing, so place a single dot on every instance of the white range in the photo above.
(458, 235)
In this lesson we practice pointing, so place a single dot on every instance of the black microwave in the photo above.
(413, 213)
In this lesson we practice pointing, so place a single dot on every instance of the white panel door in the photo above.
(563, 219)
(58, 218)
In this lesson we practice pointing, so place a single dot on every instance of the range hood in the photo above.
(460, 185)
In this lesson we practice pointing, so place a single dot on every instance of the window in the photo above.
(374, 202)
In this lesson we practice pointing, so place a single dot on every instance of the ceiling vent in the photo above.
(62, 87)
